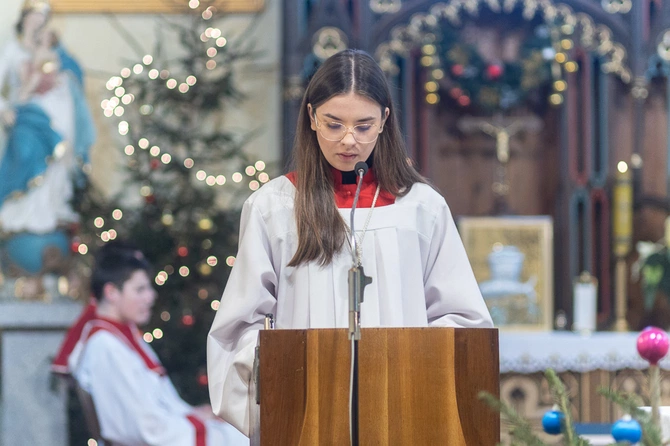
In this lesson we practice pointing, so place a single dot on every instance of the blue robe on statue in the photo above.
(32, 140)
(84, 127)
(31, 144)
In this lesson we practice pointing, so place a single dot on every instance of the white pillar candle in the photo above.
(585, 304)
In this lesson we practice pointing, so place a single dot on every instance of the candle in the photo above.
(622, 210)
(585, 305)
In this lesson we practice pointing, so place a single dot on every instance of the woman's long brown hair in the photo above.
(321, 229)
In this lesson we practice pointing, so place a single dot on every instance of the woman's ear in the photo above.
(310, 112)
(387, 112)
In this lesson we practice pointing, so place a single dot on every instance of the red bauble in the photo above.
(154, 163)
(653, 344)
(202, 379)
(493, 72)
(457, 70)
(182, 251)
(464, 101)
(187, 320)
(74, 246)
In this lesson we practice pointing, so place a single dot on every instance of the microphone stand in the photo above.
(357, 283)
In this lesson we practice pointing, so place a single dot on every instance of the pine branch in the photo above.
(562, 399)
(630, 404)
(521, 430)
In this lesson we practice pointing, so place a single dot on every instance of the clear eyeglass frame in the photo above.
(346, 130)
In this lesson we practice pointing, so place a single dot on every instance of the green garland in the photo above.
(457, 67)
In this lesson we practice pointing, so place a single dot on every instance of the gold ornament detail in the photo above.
(329, 41)
(530, 8)
(494, 5)
(640, 90)
(617, 6)
(293, 89)
(385, 6)
(663, 48)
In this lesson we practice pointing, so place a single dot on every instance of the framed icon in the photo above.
(512, 258)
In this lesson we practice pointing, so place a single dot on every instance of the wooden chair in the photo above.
(90, 415)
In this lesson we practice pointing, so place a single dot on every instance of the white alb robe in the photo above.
(420, 273)
(135, 405)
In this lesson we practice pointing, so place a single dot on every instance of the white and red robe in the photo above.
(135, 401)
(420, 273)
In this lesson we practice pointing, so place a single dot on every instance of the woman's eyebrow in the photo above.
(335, 118)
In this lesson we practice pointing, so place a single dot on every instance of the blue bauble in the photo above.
(25, 250)
(627, 429)
(552, 422)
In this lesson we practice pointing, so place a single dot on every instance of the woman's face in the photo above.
(32, 22)
(348, 113)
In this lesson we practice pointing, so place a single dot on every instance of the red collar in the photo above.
(90, 323)
(344, 193)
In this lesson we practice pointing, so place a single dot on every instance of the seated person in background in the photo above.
(135, 401)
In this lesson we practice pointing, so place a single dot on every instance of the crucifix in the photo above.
(502, 129)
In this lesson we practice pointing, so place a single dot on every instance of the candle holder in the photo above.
(622, 231)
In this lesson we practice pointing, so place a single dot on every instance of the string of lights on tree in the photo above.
(456, 67)
(187, 175)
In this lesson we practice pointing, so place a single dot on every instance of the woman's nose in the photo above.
(349, 137)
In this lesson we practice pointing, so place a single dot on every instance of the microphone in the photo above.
(357, 278)
(361, 168)
(357, 283)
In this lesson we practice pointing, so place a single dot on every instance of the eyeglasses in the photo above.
(336, 131)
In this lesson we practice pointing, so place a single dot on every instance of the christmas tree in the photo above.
(186, 175)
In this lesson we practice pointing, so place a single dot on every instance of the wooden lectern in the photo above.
(417, 386)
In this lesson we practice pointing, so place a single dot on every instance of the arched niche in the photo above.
(463, 158)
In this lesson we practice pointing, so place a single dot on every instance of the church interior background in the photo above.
(544, 123)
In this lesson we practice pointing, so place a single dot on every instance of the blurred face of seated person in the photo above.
(130, 302)
(347, 127)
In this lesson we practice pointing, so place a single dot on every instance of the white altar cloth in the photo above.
(529, 352)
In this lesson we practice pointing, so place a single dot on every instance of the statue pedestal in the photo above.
(33, 407)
